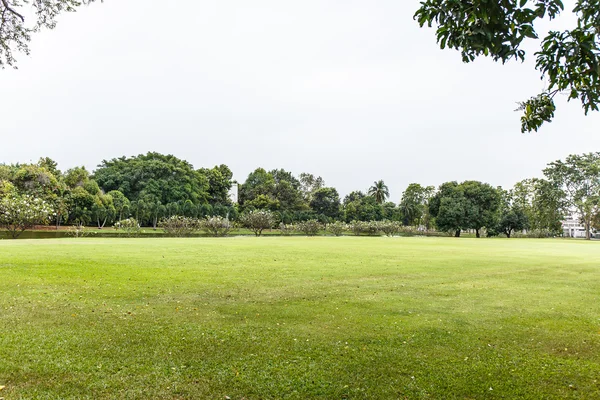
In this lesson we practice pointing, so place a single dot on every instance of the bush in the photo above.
(180, 226)
(20, 212)
(357, 227)
(216, 226)
(411, 230)
(535, 233)
(390, 228)
(130, 226)
(286, 230)
(310, 227)
(257, 221)
(337, 228)
(78, 231)
(372, 228)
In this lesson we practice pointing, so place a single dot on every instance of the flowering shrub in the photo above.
(21, 212)
(130, 226)
(337, 228)
(78, 231)
(310, 227)
(390, 228)
(357, 227)
(257, 221)
(366, 228)
(179, 226)
(216, 226)
(286, 230)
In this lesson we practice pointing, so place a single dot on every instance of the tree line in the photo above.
(150, 188)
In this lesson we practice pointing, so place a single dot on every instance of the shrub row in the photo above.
(258, 221)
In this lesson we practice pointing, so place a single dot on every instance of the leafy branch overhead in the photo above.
(20, 18)
(568, 60)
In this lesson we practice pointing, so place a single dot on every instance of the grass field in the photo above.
(271, 318)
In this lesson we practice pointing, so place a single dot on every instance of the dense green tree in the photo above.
(353, 196)
(447, 206)
(568, 60)
(259, 182)
(289, 196)
(120, 202)
(512, 219)
(75, 177)
(309, 184)
(542, 202)
(379, 191)
(363, 209)
(512, 215)
(219, 183)
(80, 204)
(392, 212)
(579, 179)
(154, 210)
(262, 202)
(277, 190)
(35, 180)
(452, 215)
(469, 205)
(163, 176)
(50, 165)
(482, 204)
(326, 202)
(103, 209)
(414, 203)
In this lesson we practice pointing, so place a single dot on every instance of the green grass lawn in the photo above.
(296, 317)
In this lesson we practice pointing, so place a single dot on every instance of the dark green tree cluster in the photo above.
(153, 186)
(158, 186)
(291, 198)
(147, 187)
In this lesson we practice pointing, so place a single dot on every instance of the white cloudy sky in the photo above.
(351, 90)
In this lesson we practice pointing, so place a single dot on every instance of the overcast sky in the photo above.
(353, 91)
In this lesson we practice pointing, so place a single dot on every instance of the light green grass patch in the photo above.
(296, 317)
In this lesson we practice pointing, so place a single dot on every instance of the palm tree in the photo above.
(379, 191)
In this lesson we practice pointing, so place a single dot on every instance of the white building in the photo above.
(572, 227)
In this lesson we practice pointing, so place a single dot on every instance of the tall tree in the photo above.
(379, 191)
(579, 178)
(512, 214)
(219, 183)
(165, 177)
(447, 206)
(310, 184)
(259, 182)
(326, 201)
(15, 31)
(414, 203)
(482, 205)
(120, 202)
(568, 60)
(542, 202)
(363, 208)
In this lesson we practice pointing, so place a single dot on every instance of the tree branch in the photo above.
(7, 7)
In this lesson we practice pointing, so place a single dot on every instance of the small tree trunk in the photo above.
(587, 230)
(508, 233)
(457, 233)
(477, 234)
